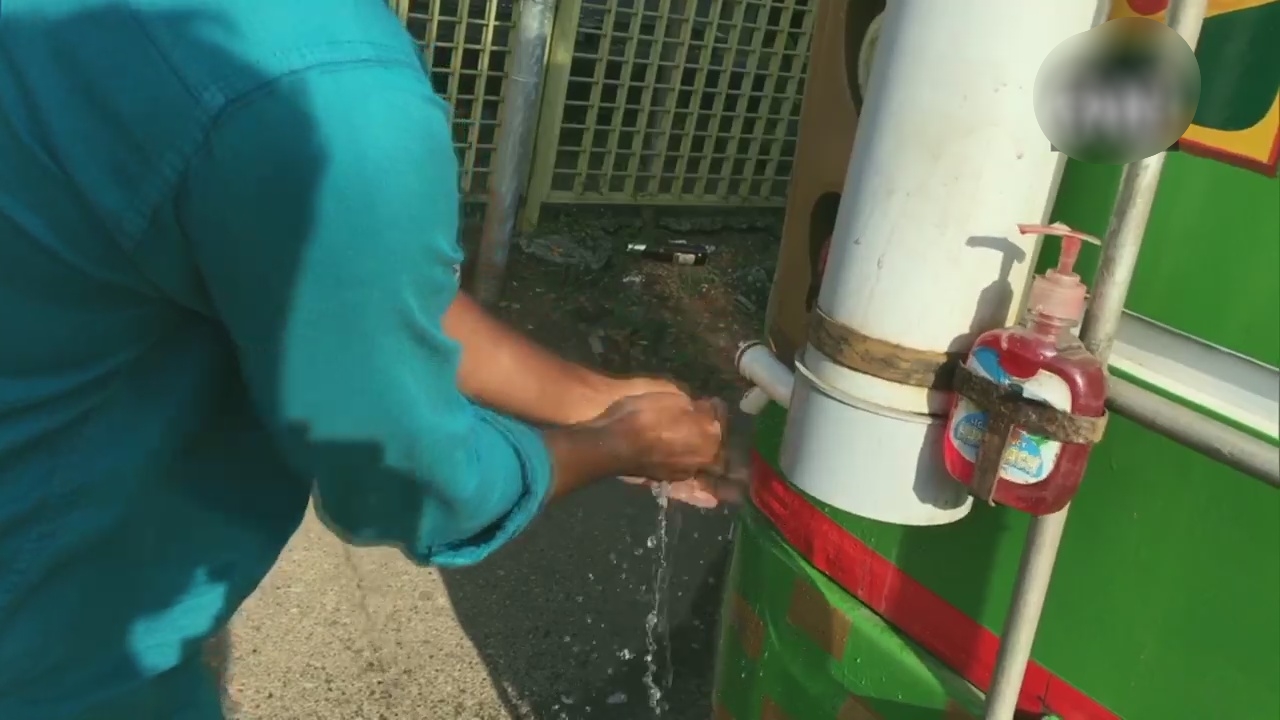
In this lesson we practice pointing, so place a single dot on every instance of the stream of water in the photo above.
(657, 624)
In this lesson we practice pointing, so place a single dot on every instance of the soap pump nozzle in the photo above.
(1059, 293)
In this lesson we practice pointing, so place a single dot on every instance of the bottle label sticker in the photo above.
(1029, 458)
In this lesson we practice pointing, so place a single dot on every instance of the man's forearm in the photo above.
(581, 455)
(511, 374)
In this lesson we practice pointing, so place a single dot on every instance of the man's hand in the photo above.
(508, 373)
(619, 388)
(596, 393)
(705, 491)
(666, 437)
(712, 486)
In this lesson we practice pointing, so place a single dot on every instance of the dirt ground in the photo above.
(553, 626)
(647, 316)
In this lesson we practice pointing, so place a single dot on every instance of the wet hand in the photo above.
(664, 436)
(714, 485)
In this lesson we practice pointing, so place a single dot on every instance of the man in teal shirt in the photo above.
(227, 250)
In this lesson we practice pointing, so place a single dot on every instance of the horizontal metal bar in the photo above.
(1198, 373)
(1201, 433)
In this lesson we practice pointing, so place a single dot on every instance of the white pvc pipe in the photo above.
(948, 159)
(867, 52)
(769, 376)
(754, 401)
(521, 96)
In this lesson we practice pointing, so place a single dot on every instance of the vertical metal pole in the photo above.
(519, 117)
(564, 38)
(1120, 250)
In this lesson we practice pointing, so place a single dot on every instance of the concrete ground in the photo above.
(550, 628)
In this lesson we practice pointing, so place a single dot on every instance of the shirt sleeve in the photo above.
(322, 213)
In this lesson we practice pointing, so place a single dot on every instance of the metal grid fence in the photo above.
(644, 101)
(465, 43)
(672, 101)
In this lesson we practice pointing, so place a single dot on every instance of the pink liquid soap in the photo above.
(1046, 362)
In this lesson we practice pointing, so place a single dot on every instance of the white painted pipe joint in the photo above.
(848, 451)
(754, 401)
(871, 460)
(771, 379)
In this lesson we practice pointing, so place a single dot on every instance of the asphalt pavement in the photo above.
(552, 627)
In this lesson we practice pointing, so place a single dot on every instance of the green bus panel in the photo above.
(1210, 262)
(1165, 601)
(795, 646)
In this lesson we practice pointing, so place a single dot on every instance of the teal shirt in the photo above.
(228, 234)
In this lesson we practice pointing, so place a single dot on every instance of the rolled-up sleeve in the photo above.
(322, 214)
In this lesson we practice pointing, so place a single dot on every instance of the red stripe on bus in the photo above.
(957, 640)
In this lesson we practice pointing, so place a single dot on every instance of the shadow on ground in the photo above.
(559, 616)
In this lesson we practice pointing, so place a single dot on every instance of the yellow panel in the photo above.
(1256, 147)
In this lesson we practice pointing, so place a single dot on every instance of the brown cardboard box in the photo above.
(828, 119)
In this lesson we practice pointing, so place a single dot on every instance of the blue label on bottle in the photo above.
(1029, 458)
